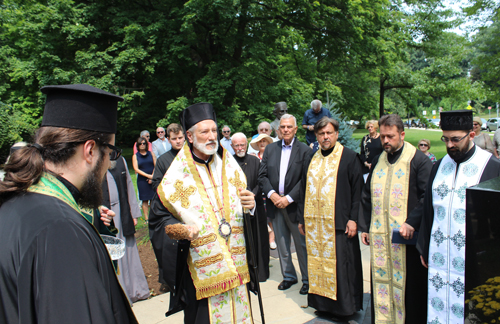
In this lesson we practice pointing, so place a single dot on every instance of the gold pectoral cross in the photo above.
(237, 182)
(182, 193)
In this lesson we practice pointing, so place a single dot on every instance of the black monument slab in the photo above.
(482, 255)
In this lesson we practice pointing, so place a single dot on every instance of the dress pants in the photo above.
(284, 230)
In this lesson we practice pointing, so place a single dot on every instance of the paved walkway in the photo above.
(279, 306)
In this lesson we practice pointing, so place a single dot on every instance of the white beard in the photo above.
(202, 147)
(241, 154)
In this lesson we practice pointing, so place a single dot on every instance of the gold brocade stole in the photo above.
(319, 219)
(389, 195)
(196, 195)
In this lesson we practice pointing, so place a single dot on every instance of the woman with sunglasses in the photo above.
(482, 140)
(424, 145)
(144, 162)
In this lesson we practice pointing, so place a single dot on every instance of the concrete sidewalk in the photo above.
(286, 306)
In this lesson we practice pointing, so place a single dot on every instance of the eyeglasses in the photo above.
(225, 131)
(264, 129)
(160, 132)
(115, 153)
(237, 146)
(475, 124)
(454, 139)
(143, 143)
(423, 144)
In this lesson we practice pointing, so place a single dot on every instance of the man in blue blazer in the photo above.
(280, 179)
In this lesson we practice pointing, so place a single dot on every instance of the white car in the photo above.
(492, 124)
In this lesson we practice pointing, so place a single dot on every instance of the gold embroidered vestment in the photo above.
(319, 221)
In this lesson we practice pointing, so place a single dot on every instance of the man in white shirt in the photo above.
(161, 145)
(226, 139)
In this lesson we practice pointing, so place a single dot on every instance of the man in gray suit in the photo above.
(161, 145)
(280, 179)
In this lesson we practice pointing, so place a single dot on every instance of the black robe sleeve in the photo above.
(366, 201)
(421, 167)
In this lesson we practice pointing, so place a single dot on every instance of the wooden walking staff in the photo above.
(250, 243)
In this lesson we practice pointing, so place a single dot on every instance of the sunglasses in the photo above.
(423, 144)
(160, 132)
(475, 124)
(225, 131)
(453, 139)
(143, 143)
(115, 153)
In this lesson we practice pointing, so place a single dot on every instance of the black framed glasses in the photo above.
(115, 153)
(160, 132)
(225, 131)
(453, 139)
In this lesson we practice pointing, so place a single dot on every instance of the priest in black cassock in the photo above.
(175, 136)
(250, 165)
(445, 234)
(332, 181)
(55, 267)
(392, 200)
(204, 189)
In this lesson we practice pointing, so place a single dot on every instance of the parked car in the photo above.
(435, 122)
(492, 124)
(484, 124)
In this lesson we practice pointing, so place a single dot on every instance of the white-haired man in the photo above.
(161, 145)
(311, 116)
(250, 166)
(225, 141)
(205, 191)
(280, 176)
(263, 128)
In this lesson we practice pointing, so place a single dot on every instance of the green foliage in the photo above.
(345, 129)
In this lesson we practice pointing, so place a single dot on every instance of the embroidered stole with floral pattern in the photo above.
(319, 221)
(202, 197)
(446, 284)
(389, 191)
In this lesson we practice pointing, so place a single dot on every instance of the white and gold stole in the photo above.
(201, 196)
(319, 221)
(389, 195)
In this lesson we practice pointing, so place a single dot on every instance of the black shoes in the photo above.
(304, 290)
(286, 284)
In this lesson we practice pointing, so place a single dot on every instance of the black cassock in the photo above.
(492, 170)
(416, 274)
(250, 166)
(347, 206)
(172, 258)
(54, 266)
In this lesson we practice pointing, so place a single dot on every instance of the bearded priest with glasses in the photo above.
(442, 241)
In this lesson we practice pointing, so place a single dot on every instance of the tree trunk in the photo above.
(382, 90)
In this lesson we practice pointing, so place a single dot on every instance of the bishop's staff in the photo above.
(248, 226)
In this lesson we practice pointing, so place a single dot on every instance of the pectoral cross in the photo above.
(182, 193)
(237, 182)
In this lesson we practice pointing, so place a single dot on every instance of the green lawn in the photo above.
(438, 148)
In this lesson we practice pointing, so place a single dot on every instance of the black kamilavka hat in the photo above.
(456, 120)
(80, 106)
(196, 113)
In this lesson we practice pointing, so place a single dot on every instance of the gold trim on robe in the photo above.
(201, 195)
(389, 195)
(319, 221)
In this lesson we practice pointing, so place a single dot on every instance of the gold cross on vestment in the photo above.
(237, 182)
(182, 193)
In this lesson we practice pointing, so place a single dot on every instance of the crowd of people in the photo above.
(216, 204)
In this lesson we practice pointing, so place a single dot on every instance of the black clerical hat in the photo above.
(80, 106)
(456, 120)
(196, 113)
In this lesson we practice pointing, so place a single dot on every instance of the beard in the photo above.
(202, 147)
(91, 193)
(457, 153)
(240, 154)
